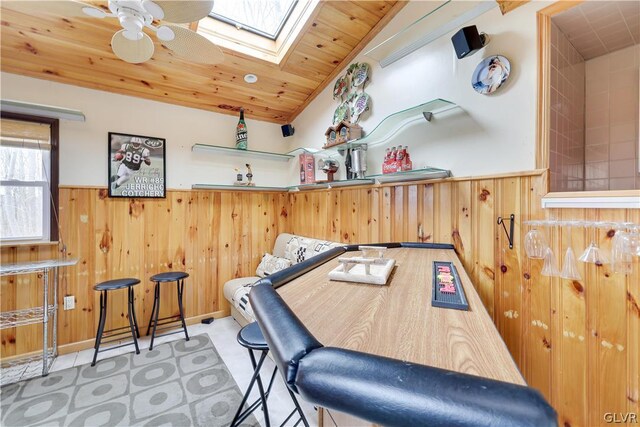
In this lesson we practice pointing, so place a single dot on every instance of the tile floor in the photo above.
(222, 333)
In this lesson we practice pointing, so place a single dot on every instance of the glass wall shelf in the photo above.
(412, 175)
(237, 187)
(389, 126)
(443, 17)
(332, 184)
(242, 153)
(395, 122)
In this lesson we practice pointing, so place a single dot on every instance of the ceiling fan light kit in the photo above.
(132, 44)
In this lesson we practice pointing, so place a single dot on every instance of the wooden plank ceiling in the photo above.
(77, 51)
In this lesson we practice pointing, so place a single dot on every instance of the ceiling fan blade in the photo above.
(193, 47)
(64, 8)
(133, 51)
(184, 12)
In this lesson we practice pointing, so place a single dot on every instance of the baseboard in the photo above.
(83, 345)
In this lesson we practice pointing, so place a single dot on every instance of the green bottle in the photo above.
(241, 132)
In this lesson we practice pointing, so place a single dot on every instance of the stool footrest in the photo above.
(119, 334)
(165, 323)
(128, 328)
(116, 346)
(112, 340)
(169, 333)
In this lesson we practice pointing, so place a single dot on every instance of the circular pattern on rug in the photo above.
(209, 381)
(153, 374)
(107, 414)
(219, 409)
(195, 343)
(37, 409)
(158, 353)
(172, 420)
(100, 390)
(156, 400)
(53, 382)
(8, 391)
(105, 367)
(197, 361)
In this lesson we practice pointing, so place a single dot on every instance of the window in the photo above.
(262, 17)
(28, 179)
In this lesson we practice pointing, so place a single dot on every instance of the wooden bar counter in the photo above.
(398, 321)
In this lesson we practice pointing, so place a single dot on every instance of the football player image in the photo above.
(131, 156)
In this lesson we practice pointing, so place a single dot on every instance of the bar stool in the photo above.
(171, 276)
(104, 288)
(251, 338)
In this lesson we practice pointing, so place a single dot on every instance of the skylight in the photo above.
(262, 17)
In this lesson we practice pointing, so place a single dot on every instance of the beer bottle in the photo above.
(241, 132)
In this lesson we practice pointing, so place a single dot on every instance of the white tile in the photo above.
(84, 357)
(64, 361)
(223, 333)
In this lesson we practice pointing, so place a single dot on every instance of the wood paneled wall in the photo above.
(213, 236)
(578, 342)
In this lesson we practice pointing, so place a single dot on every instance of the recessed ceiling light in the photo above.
(250, 78)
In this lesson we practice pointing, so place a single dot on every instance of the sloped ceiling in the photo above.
(77, 51)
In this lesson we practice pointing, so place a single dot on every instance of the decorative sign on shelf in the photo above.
(354, 101)
(136, 166)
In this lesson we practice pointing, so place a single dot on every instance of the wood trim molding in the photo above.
(507, 6)
(544, 90)
(535, 172)
(294, 44)
(544, 71)
(83, 345)
(347, 60)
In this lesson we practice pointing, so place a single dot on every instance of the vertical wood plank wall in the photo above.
(578, 342)
(213, 236)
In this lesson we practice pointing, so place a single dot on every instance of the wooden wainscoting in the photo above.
(213, 236)
(578, 342)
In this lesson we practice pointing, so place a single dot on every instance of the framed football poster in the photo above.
(136, 166)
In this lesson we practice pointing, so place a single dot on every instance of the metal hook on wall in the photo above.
(511, 225)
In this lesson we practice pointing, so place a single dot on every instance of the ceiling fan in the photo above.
(131, 43)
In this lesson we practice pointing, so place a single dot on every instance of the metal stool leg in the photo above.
(153, 310)
(263, 397)
(133, 313)
(298, 408)
(101, 323)
(131, 321)
(180, 285)
(240, 416)
(155, 320)
(95, 344)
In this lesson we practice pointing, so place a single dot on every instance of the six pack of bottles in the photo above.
(397, 159)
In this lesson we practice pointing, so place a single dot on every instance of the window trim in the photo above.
(247, 43)
(54, 126)
(255, 30)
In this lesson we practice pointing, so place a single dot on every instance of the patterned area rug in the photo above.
(182, 383)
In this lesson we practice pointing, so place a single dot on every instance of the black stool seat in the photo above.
(154, 322)
(251, 337)
(104, 288)
(169, 276)
(110, 285)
